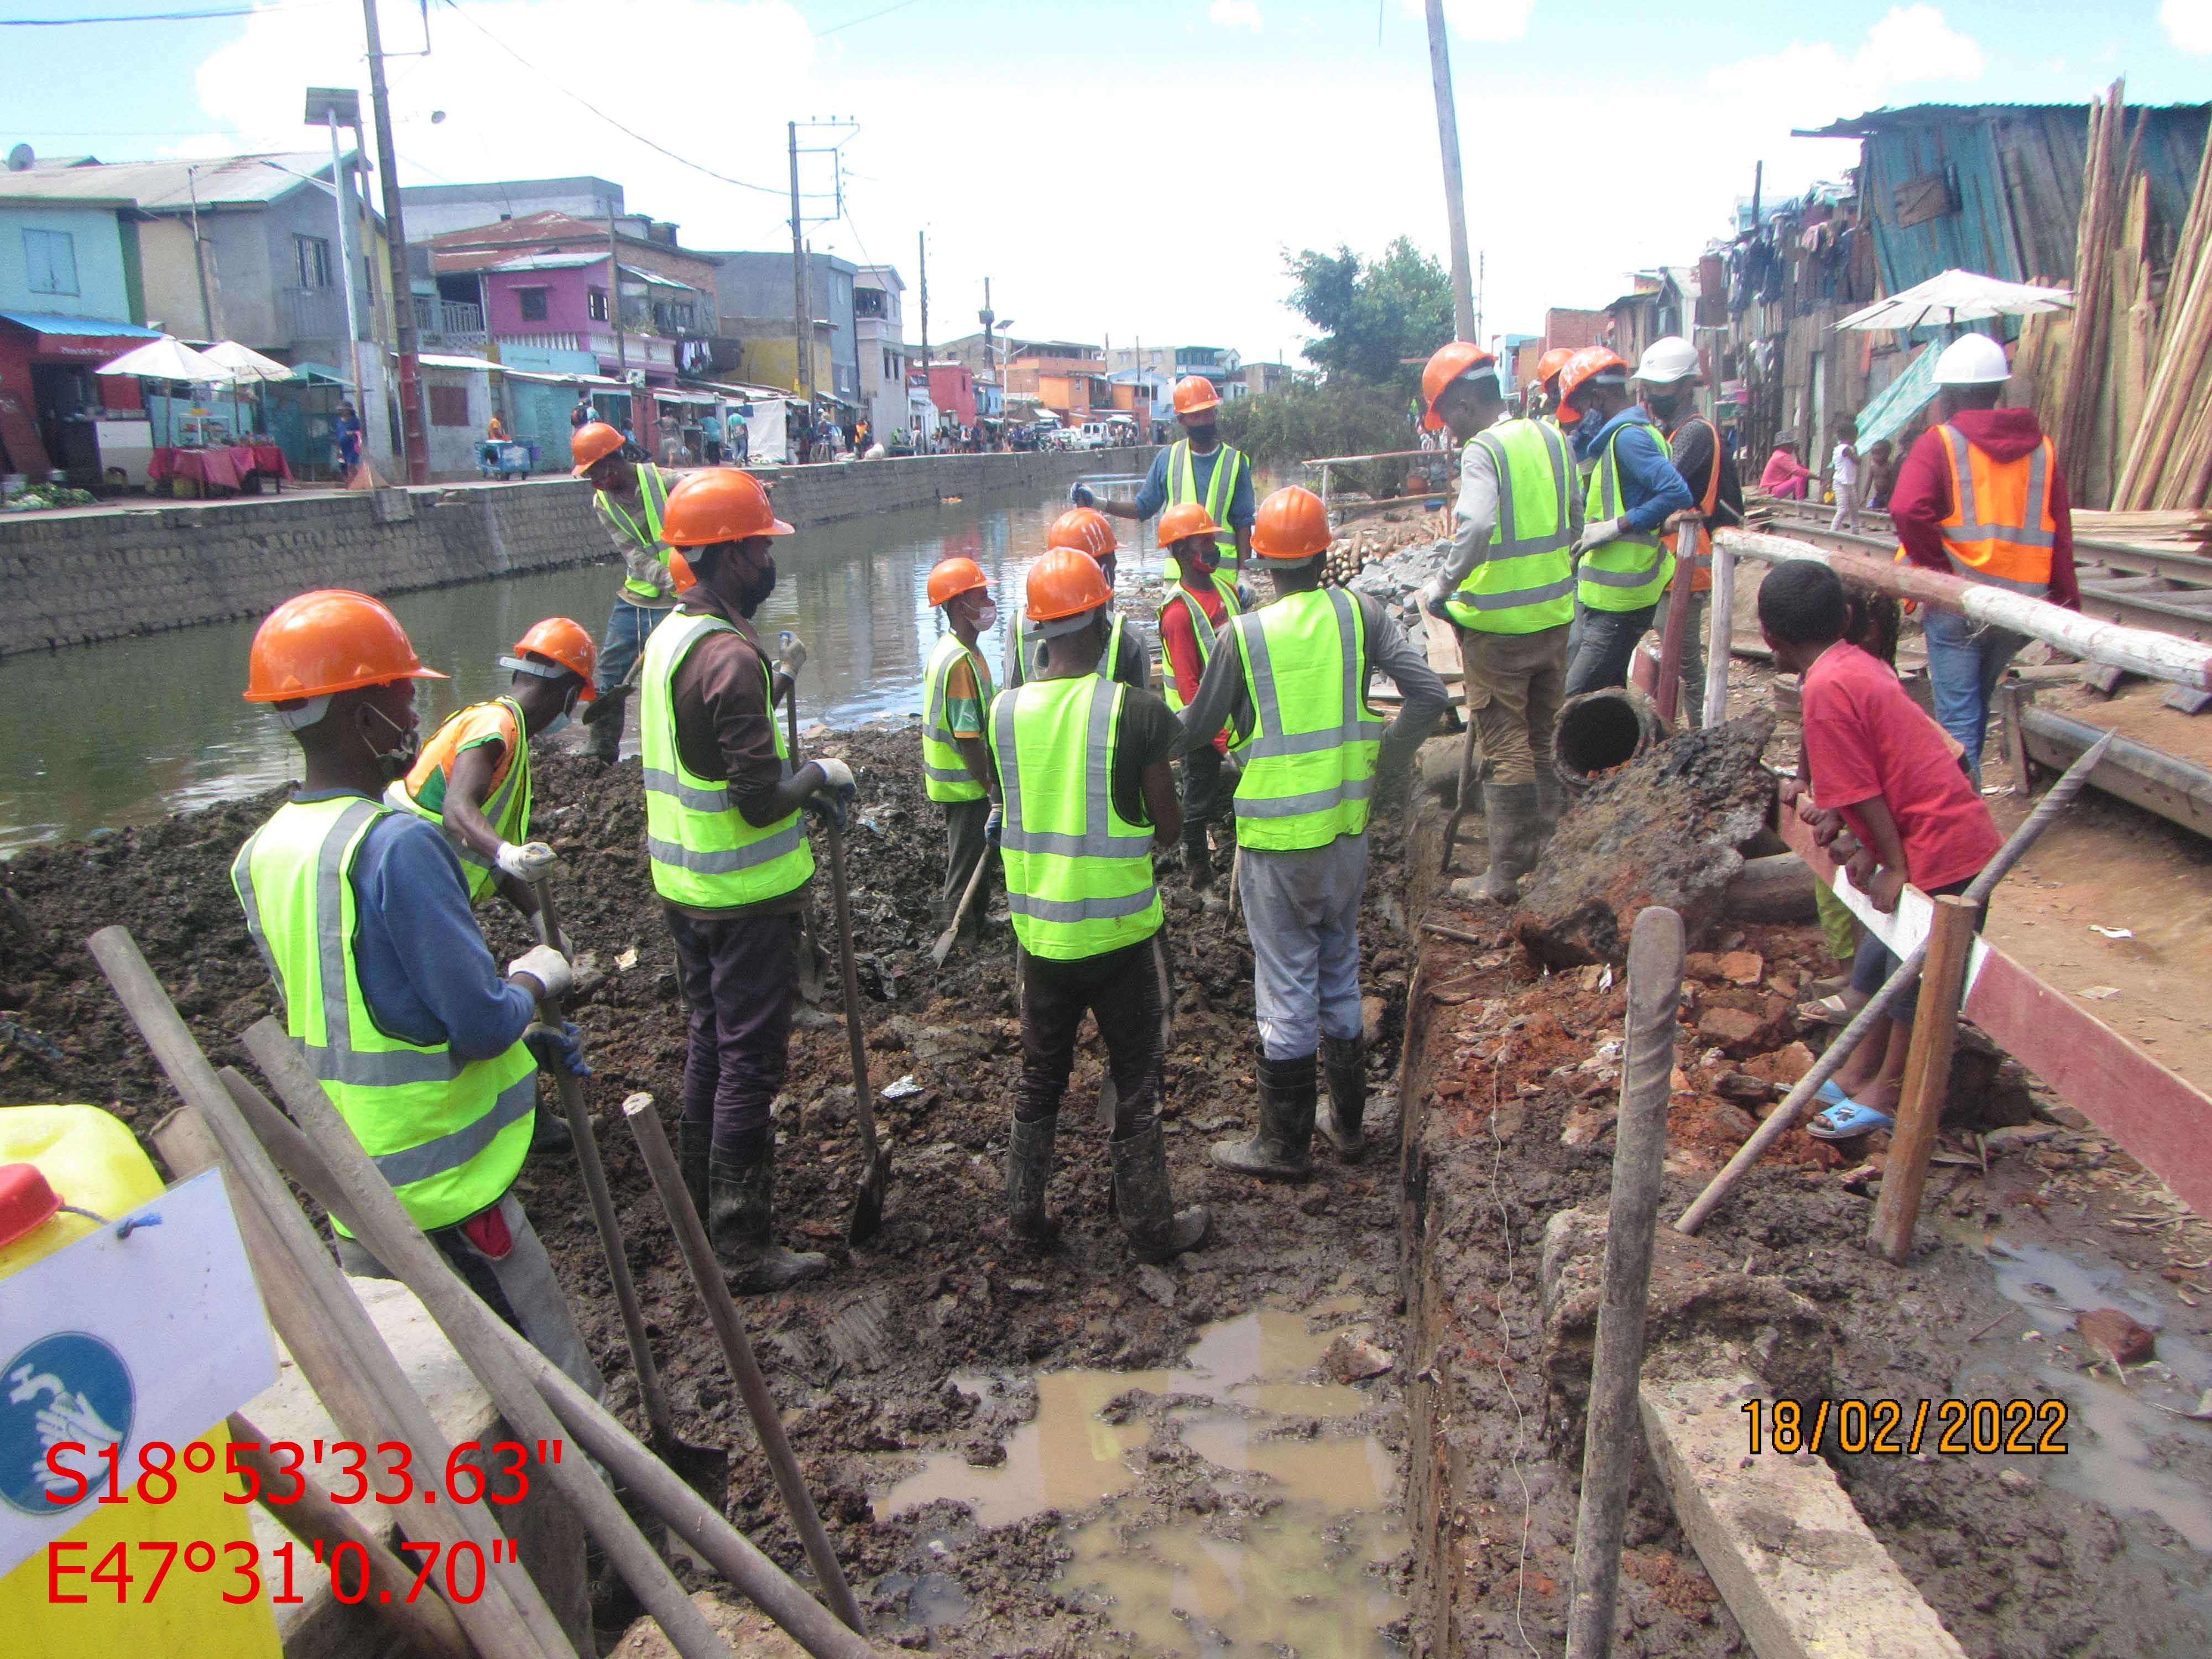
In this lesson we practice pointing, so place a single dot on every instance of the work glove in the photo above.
(830, 801)
(547, 967)
(1081, 497)
(794, 655)
(559, 1051)
(994, 824)
(529, 863)
(1597, 533)
(1433, 599)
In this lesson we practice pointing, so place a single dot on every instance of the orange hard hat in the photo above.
(1291, 524)
(955, 576)
(720, 504)
(1066, 582)
(332, 639)
(1446, 364)
(681, 576)
(1195, 394)
(592, 443)
(1583, 367)
(1552, 361)
(567, 644)
(1086, 529)
(1187, 518)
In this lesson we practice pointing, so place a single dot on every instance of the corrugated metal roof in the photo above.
(1882, 120)
(88, 328)
(225, 181)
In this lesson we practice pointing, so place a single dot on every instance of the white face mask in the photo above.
(987, 616)
(555, 724)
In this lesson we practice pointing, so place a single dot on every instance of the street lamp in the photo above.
(329, 106)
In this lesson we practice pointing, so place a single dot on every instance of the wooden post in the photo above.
(2012, 701)
(1655, 996)
(1720, 635)
(1668, 693)
(1927, 1074)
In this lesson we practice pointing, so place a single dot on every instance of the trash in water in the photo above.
(2111, 933)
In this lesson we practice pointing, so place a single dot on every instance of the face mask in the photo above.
(393, 764)
(1201, 437)
(555, 724)
(1664, 407)
(987, 616)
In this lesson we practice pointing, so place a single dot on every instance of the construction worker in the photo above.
(1295, 689)
(473, 777)
(1545, 402)
(631, 499)
(1128, 658)
(1508, 587)
(1197, 467)
(427, 1051)
(1980, 496)
(1192, 616)
(729, 857)
(1082, 763)
(956, 760)
(1668, 376)
(1622, 565)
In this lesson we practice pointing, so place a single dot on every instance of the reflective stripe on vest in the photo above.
(1999, 529)
(1078, 874)
(1524, 579)
(944, 774)
(701, 849)
(448, 1134)
(1632, 570)
(1202, 628)
(1021, 658)
(507, 810)
(653, 495)
(1220, 490)
(1700, 558)
(1310, 760)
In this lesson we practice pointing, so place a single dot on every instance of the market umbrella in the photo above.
(247, 366)
(1958, 297)
(169, 359)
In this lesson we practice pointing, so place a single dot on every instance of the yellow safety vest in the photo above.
(1309, 758)
(944, 774)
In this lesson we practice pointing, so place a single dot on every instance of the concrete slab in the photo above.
(1802, 1572)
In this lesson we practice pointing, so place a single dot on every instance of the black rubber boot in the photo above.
(1279, 1150)
(739, 1197)
(1344, 1064)
(1197, 859)
(551, 1132)
(1510, 820)
(1028, 1170)
(1157, 1231)
(692, 1149)
(1551, 799)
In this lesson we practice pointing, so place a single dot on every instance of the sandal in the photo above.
(1831, 1009)
(1842, 1118)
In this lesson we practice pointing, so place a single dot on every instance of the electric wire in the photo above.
(144, 17)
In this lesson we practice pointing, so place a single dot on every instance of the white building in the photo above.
(879, 324)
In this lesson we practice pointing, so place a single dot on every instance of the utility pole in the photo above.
(199, 255)
(622, 340)
(331, 103)
(412, 435)
(921, 261)
(1481, 278)
(802, 325)
(1463, 317)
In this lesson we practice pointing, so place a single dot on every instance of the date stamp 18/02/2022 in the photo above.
(1904, 1428)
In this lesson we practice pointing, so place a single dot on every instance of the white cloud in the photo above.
(1235, 14)
(2188, 24)
(1914, 42)
(1807, 86)
(1492, 21)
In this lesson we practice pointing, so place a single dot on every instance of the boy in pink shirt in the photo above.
(1881, 768)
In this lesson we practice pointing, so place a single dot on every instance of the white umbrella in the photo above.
(1958, 297)
(168, 359)
(245, 365)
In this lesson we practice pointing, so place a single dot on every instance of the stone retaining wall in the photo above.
(76, 578)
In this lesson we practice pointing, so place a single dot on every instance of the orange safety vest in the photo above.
(1700, 558)
(1999, 529)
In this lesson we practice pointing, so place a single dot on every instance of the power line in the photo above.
(684, 161)
(853, 22)
(146, 17)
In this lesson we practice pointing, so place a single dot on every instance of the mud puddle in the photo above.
(2131, 1444)
(1281, 1527)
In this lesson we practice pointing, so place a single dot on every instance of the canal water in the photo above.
(107, 735)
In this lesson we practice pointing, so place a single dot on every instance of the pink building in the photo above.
(952, 389)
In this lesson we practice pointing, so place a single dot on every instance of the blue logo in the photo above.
(64, 1387)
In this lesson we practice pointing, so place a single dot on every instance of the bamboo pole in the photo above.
(649, 1480)
(323, 1325)
(387, 1230)
(1720, 635)
(1655, 996)
(1927, 1074)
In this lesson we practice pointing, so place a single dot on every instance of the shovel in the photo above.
(706, 1469)
(868, 1204)
(812, 976)
(943, 948)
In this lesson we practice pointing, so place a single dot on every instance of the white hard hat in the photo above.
(1667, 360)
(1973, 360)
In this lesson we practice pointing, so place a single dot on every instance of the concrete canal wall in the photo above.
(75, 578)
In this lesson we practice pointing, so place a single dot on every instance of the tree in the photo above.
(1374, 315)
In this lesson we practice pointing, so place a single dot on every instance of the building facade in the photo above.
(755, 293)
(879, 325)
(434, 210)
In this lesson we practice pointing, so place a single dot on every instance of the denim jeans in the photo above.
(627, 627)
(1600, 644)
(1965, 660)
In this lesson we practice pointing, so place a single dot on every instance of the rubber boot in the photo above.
(1279, 1149)
(739, 1196)
(1551, 799)
(1157, 1231)
(693, 1148)
(1344, 1066)
(1028, 1170)
(550, 1131)
(1510, 817)
(1197, 859)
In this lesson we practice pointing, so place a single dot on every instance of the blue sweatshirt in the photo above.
(1651, 488)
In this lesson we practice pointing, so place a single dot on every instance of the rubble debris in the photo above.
(2120, 1338)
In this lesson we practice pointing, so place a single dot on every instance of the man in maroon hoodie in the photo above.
(1981, 496)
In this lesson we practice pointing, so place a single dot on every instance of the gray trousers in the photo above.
(964, 845)
(1302, 909)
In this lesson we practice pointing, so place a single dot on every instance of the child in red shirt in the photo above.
(1881, 768)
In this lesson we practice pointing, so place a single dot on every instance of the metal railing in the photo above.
(314, 313)
(449, 319)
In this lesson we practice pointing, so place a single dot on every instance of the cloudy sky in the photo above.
(1134, 169)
